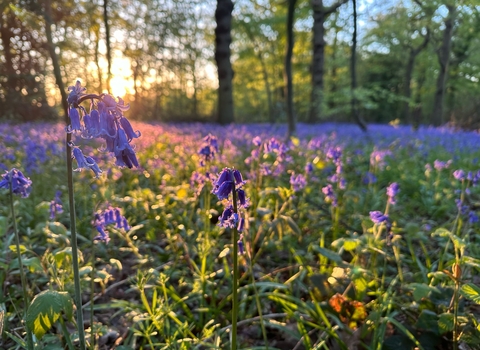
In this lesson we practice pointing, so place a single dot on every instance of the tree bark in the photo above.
(408, 75)
(443, 54)
(107, 43)
(353, 72)
(223, 38)
(287, 74)
(320, 15)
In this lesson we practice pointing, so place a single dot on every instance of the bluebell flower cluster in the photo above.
(275, 154)
(230, 180)
(298, 182)
(104, 120)
(208, 149)
(335, 154)
(110, 216)
(330, 196)
(378, 159)
(21, 185)
(56, 206)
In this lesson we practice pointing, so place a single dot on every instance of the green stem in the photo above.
(73, 230)
(235, 276)
(92, 294)
(20, 266)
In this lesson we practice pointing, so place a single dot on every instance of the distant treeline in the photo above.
(416, 62)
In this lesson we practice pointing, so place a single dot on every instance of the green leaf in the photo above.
(420, 290)
(46, 308)
(445, 323)
(428, 321)
(292, 224)
(330, 255)
(441, 232)
(471, 292)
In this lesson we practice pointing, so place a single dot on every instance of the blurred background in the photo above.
(414, 62)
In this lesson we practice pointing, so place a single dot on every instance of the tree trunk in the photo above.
(223, 38)
(443, 53)
(107, 43)
(287, 74)
(408, 76)
(320, 15)
(6, 34)
(353, 72)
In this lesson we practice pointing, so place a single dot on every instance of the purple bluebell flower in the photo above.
(439, 165)
(102, 234)
(85, 162)
(242, 198)
(257, 141)
(228, 218)
(76, 92)
(110, 216)
(241, 248)
(335, 154)
(459, 174)
(21, 185)
(330, 195)
(56, 206)
(74, 120)
(392, 192)
(472, 217)
(378, 217)
(369, 178)
(224, 184)
(308, 168)
(298, 182)
(377, 158)
(104, 120)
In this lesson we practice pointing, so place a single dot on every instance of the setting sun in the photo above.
(120, 86)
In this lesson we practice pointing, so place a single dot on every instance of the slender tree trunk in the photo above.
(5, 35)
(334, 85)
(107, 43)
(320, 15)
(287, 75)
(443, 53)
(223, 38)
(353, 71)
(408, 76)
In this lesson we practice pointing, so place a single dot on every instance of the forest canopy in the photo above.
(416, 62)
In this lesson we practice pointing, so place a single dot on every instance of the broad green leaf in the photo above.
(46, 308)
(471, 292)
(445, 323)
(420, 290)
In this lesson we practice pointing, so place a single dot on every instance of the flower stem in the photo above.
(20, 266)
(235, 276)
(76, 274)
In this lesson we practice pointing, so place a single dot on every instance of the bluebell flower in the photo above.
(298, 182)
(257, 141)
(241, 248)
(21, 185)
(330, 195)
(76, 92)
(378, 217)
(308, 168)
(102, 234)
(85, 162)
(242, 198)
(369, 178)
(56, 206)
(459, 174)
(74, 120)
(131, 134)
(392, 191)
(224, 184)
